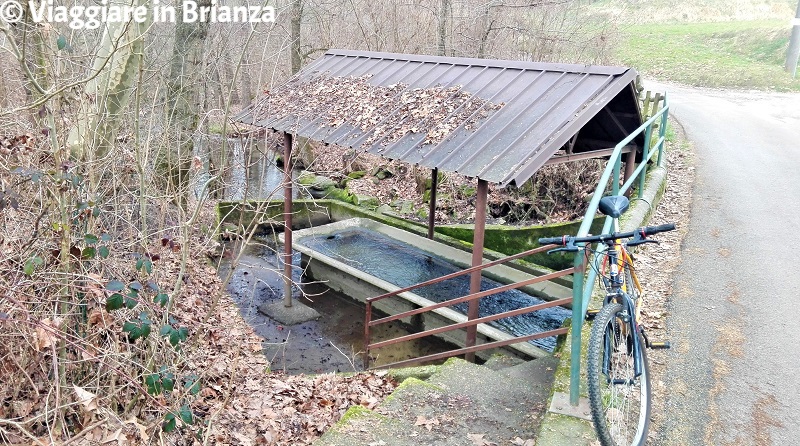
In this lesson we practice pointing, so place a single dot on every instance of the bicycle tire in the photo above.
(615, 407)
(630, 285)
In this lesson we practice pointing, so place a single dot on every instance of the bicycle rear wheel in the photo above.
(619, 402)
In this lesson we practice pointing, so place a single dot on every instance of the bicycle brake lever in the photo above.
(564, 249)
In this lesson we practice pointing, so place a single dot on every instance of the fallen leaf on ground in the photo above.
(44, 336)
(427, 422)
(86, 398)
(478, 440)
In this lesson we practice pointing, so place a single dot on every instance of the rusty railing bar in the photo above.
(476, 348)
(472, 322)
(367, 334)
(471, 297)
(463, 272)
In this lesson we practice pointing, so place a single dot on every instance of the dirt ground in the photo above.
(656, 264)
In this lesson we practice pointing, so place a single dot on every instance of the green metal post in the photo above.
(648, 133)
(662, 130)
(615, 184)
(577, 328)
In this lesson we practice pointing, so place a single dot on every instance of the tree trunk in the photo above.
(441, 47)
(117, 60)
(793, 54)
(485, 30)
(228, 75)
(246, 86)
(183, 96)
(297, 19)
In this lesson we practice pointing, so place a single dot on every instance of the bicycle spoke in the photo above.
(619, 400)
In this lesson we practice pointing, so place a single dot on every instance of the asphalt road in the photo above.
(733, 375)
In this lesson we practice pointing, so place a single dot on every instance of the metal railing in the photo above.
(369, 323)
(582, 289)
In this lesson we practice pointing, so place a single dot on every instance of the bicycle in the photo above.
(617, 371)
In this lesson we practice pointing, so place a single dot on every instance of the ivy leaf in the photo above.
(31, 264)
(103, 251)
(88, 253)
(137, 330)
(129, 326)
(153, 384)
(144, 264)
(115, 285)
(161, 299)
(145, 330)
(165, 330)
(130, 303)
(152, 285)
(132, 298)
(177, 336)
(168, 382)
(192, 384)
(169, 423)
(186, 414)
(61, 42)
(114, 302)
(135, 285)
(90, 239)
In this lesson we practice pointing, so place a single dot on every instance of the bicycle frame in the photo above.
(617, 257)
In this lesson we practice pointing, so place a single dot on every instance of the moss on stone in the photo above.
(358, 411)
(334, 193)
(356, 174)
(467, 191)
(511, 240)
(366, 201)
(306, 178)
(420, 372)
(411, 382)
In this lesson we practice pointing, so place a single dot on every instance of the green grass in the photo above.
(726, 54)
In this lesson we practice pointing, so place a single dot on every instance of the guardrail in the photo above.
(582, 289)
(370, 323)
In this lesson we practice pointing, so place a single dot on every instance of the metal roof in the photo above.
(538, 109)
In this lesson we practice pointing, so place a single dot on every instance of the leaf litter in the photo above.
(380, 114)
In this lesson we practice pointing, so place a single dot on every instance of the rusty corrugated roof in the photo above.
(529, 111)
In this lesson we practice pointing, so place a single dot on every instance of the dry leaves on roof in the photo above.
(383, 114)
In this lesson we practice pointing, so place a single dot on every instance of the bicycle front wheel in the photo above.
(619, 401)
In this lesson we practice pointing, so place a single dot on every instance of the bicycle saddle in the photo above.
(614, 205)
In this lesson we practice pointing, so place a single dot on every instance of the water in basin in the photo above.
(403, 265)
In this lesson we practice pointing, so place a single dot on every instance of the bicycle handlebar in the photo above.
(639, 236)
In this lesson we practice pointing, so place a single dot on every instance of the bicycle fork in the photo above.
(631, 339)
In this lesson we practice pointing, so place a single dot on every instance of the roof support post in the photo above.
(477, 259)
(287, 219)
(630, 166)
(432, 208)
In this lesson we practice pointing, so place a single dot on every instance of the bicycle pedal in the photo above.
(659, 345)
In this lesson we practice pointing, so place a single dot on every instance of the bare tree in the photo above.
(183, 102)
(297, 20)
(793, 53)
(444, 11)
